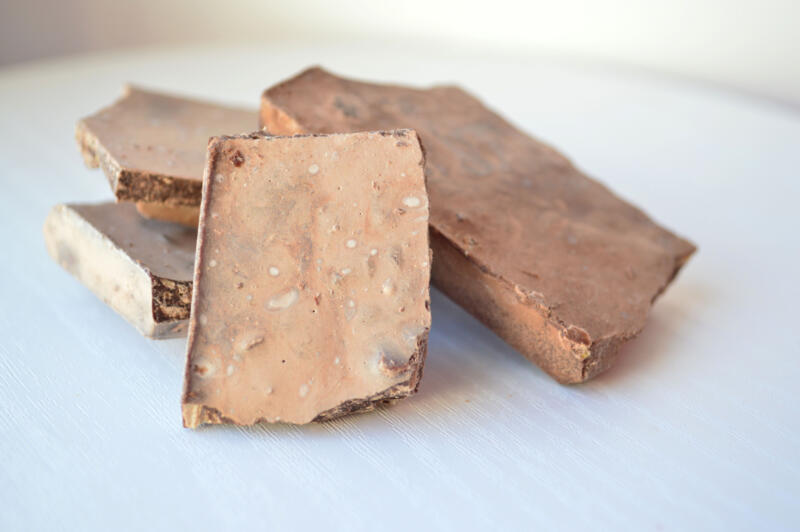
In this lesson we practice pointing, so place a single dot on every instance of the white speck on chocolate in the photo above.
(212, 263)
(346, 271)
(283, 301)
(219, 178)
(313, 169)
(387, 288)
(268, 390)
(250, 341)
(230, 370)
(351, 243)
(411, 201)
(273, 271)
(303, 390)
(373, 252)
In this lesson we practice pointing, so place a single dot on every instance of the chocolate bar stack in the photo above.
(297, 245)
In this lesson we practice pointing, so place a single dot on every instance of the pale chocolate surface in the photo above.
(152, 146)
(141, 268)
(550, 259)
(187, 215)
(312, 283)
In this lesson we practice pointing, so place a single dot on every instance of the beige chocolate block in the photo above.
(553, 261)
(140, 268)
(152, 146)
(311, 285)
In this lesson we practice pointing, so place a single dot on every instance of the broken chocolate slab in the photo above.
(141, 268)
(551, 260)
(152, 146)
(179, 214)
(311, 285)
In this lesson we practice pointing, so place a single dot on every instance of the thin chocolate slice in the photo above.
(311, 285)
(152, 146)
(551, 260)
(141, 268)
(179, 214)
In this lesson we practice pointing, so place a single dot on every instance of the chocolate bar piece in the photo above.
(140, 268)
(311, 284)
(551, 260)
(152, 146)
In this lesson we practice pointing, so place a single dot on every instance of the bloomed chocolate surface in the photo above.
(553, 261)
(311, 285)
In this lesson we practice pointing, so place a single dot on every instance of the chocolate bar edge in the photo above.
(576, 361)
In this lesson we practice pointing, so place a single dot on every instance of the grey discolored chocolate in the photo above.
(141, 268)
(152, 146)
(311, 285)
(551, 260)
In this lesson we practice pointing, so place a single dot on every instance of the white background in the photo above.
(751, 45)
(695, 428)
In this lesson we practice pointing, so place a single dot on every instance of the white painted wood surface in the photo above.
(696, 427)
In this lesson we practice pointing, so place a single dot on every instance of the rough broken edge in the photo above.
(168, 312)
(194, 414)
(579, 357)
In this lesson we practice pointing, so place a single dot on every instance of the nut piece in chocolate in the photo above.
(311, 285)
(152, 146)
(141, 268)
(551, 260)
